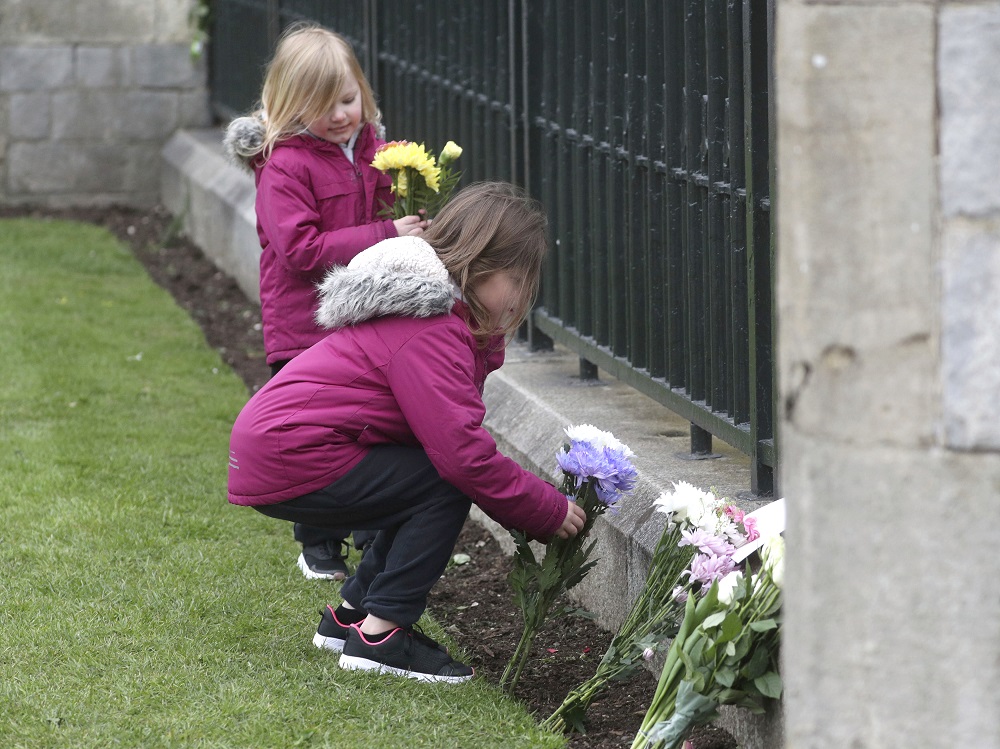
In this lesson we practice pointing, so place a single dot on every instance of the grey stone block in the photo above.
(35, 68)
(102, 67)
(39, 169)
(30, 116)
(149, 115)
(143, 166)
(970, 336)
(195, 110)
(113, 21)
(87, 114)
(116, 115)
(968, 61)
(166, 66)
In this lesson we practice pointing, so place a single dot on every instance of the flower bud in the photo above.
(449, 153)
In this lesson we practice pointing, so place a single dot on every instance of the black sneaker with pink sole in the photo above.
(404, 652)
(331, 632)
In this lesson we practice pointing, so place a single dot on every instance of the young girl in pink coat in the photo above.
(380, 425)
(310, 147)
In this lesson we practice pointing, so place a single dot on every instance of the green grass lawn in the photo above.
(137, 607)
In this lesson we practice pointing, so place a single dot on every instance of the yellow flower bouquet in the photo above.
(420, 181)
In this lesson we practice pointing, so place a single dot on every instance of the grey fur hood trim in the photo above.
(398, 276)
(243, 140)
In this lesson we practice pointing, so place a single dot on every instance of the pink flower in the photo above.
(680, 594)
(750, 526)
(706, 569)
(647, 654)
(734, 512)
(706, 542)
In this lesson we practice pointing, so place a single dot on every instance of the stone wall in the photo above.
(889, 365)
(90, 90)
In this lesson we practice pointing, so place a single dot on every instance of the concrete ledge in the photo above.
(215, 202)
(529, 403)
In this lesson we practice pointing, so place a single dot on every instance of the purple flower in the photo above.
(601, 459)
(706, 542)
(705, 569)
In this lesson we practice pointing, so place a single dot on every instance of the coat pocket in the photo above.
(333, 190)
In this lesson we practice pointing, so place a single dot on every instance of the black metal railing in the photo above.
(643, 127)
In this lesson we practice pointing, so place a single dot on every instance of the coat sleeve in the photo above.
(432, 379)
(289, 218)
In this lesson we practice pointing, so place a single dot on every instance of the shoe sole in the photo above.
(313, 575)
(356, 663)
(336, 644)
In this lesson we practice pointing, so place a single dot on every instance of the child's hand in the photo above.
(411, 226)
(573, 522)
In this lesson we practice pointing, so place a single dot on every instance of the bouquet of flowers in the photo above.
(701, 527)
(420, 181)
(597, 472)
(725, 653)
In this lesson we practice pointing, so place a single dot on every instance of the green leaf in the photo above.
(742, 646)
(714, 620)
(686, 659)
(769, 685)
(731, 627)
(725, 676)
(758, 664)
(764, 626)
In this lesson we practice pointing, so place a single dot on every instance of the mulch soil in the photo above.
(474, 600)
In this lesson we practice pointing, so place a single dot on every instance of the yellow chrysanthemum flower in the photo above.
(399, 155)
(400, 184)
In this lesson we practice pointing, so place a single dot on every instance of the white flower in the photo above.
(598, 437)
(688, 504)
(727, 587)
(773, 556)
(729, 529)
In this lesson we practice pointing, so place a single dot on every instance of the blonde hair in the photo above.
(304, 80)
(485, 228)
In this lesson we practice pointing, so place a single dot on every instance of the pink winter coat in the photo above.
(411, 376)
(315, 209)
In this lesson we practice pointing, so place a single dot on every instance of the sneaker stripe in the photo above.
(374, 642)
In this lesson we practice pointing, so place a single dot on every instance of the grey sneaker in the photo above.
(405, 652)
(326, 561)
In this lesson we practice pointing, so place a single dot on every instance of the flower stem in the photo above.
(512, 673)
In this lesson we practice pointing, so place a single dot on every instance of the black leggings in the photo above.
(418, 515)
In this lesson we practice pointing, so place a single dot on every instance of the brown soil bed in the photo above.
(474, 600)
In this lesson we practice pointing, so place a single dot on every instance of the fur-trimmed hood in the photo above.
(245, 135)
(243, 140)
(398, 276)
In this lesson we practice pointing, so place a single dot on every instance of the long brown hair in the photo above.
(485, 228)
(304, 80)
